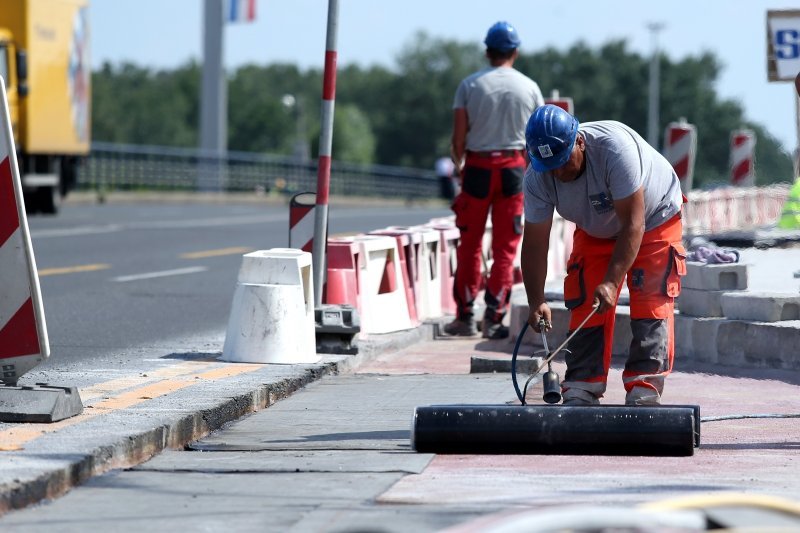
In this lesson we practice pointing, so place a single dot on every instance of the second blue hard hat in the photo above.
(502, 36)
(550, 136)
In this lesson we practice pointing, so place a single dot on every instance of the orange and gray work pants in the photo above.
(490, 181)
(653, 283)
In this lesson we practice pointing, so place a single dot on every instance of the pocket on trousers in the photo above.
(511, 179)
(676, 268)
(476, 181)
(574, 286)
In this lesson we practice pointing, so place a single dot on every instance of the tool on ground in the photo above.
(550, 379)
(550, 382)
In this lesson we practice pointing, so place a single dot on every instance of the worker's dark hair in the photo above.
(495, 54)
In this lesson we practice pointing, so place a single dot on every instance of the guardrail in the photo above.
(114, 167)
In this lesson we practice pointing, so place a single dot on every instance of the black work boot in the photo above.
(461, 327)
(494, 330)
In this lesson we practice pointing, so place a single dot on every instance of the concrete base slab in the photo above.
(42, 403)
(480, 364)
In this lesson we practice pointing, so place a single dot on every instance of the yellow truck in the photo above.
(44, 60)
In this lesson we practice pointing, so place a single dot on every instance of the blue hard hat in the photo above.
(550, 136)
(503, 37)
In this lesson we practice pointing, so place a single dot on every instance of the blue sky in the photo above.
(167, 33)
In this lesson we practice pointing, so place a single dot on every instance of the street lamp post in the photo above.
(655, 84)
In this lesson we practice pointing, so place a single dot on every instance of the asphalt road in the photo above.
(121, 279)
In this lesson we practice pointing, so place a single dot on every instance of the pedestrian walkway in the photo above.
(336, 456)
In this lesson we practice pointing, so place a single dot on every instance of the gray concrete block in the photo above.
(704, 339)
(759, 344)
(715, 277)
(696, 338)
(761, 306)
(703, 303)
(481, 364)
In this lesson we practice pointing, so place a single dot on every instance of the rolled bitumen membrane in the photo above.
(556, 429)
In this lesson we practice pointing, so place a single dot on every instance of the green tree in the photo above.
(139, 106)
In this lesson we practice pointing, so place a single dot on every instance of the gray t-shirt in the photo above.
(618, 162)
(499, 101)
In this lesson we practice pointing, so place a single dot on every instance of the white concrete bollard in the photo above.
(272, 316)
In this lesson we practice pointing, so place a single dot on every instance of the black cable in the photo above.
(520, 395)
(741, 417)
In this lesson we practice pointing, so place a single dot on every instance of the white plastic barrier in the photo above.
(560, 247)
(272, 316)
(23, 332)
(383, 292)
(429, 273)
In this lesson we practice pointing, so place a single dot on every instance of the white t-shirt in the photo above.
(618, 162)
(499, 101)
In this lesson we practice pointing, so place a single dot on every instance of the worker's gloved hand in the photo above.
(537, 315)
(605, 296)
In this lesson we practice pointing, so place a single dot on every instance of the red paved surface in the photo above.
(751, 455)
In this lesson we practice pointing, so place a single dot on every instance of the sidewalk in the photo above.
(335, 456)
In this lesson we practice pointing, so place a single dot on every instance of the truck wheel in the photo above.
(48, 200)
(31, 202)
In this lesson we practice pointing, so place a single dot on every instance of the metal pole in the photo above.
(213, 97)
(653, 108)
(325, 143)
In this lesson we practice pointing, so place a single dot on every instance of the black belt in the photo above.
(496, 153)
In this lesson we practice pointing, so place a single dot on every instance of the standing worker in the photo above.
(490, 110)
(625, 200)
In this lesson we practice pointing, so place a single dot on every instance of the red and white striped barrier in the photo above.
(23, 332)
(680, 149)
(564, 103)
(743, 150)
(733, 208)
(408, 249)
(301, 221)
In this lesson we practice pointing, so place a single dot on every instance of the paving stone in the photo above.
(702, 303)
(761, 306)
(716, 277)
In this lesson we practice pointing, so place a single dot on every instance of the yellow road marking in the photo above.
(16, 437)
(216, 253)
(106, 388)
(73, 269)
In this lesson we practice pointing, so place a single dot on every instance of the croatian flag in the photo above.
(241, 11)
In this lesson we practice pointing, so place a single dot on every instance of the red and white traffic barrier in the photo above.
(680, 149)
(301, 221)
(23, 332)
(564, 103)
(743, 149)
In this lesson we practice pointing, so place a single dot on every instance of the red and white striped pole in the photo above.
(23, 332)
(325, 144)
(743, 149)
(680, 149)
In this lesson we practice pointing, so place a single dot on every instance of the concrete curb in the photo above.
(55, 462)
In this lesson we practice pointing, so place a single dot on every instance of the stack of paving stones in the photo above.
(720, 321)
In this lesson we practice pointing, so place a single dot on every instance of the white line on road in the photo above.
(161, 274)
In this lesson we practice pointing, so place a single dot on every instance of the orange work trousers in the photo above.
(653, 284)
(489, 183)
